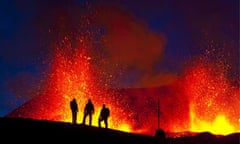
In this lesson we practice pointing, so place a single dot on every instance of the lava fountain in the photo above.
(74, 72)
(71, 75)
(214, 104)
(74, 77)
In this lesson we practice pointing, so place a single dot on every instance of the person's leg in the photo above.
(90, 119)
(74, 117)
(106, 123)
(99, 122)
(84, 118)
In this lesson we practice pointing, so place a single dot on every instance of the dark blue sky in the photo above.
(188, 26)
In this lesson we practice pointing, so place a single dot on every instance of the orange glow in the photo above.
(125, 127)
(202, 100)
(214, 103)
(73, 77)
(220, 125)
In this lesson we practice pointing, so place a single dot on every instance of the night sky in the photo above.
(157, 38)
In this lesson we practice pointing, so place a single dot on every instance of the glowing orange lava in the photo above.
(73, 77)
(202, 100)
(214, 103)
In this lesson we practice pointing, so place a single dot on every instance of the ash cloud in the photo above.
(130, 43)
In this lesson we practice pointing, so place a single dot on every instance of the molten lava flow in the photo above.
(214, 103)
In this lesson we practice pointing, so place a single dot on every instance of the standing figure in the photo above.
(104, 114)
(88, 111)
(74, 109)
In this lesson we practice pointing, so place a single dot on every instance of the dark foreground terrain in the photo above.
(19, 130)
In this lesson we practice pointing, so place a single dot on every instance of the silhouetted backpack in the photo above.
(107, 112)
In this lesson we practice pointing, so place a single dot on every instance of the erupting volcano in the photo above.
(74, 77)
(202, 99)
(214, 101)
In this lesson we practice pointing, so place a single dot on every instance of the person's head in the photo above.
(103, 105)
(89, 100)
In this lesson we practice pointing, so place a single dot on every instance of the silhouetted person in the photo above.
(88, 111)
(104, 114)
(74, 109)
